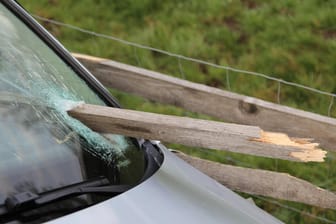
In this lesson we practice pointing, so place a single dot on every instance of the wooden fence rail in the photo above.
(262, 182)
(195, 132)
(218, 103)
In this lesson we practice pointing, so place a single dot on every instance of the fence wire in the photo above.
(178, 56)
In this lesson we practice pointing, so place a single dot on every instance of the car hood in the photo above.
(176, 193)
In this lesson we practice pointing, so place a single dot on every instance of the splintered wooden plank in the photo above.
(218, 103)
(266, 183)
(195, 132)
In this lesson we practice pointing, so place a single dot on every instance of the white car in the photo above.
(55, 169)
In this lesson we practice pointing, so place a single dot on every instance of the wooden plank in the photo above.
(194, 132)
(266, 183)
(222, 104)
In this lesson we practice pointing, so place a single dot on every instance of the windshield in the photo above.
(41, 147)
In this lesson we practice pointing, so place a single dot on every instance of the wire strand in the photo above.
(330, 106)
(136, 56)
(228, 80)
(180, 68)
(184, 57)
(279, 92)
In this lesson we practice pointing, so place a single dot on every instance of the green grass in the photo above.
(290, 39)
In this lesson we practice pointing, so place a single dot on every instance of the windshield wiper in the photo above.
(26, 200)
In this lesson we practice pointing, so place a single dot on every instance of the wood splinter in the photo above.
(310, 150)
(196, 132)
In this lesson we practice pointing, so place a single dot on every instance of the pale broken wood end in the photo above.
(308, 151)
(82, 57)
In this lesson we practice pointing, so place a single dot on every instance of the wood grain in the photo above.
(228, 106)
(262, 182)
(195, 132)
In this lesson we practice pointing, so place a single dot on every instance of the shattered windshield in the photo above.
(41, 147)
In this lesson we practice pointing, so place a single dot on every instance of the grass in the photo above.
(290, 39)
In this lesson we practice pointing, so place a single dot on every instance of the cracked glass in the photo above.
(41, 147)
